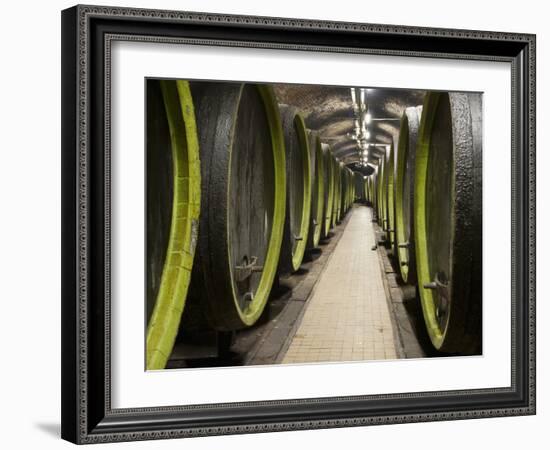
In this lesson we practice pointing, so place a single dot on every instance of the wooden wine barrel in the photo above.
(352, 187)
(359, 186)
(404, 193)
(370, 186)
(244, 199)
(336, 192)
(382, 180)
(173, 205)
(447, 220)
(378, 190)
(298, 190)
(318, 190)
(329, 189)
(374, 193)
(390, 203)
(339, 191)
(372, 189)
(352, 181)
(343, 191)
(349, 189)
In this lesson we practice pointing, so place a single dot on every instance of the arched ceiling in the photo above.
(329, 111)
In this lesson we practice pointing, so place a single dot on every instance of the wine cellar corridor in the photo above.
(347, 318)
(297, 224)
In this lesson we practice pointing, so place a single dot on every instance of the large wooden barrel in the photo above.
(382, 180)
(359, 186)
(244, 198)
(374, 192)
(336, 192)
(343, 191)
(380, 169)
(329, 189)
(404, 193)
(370, 183)
(298, 190)
(447, 220)
(173, 205)
(352, 188)
(318, 190)
(390, 200)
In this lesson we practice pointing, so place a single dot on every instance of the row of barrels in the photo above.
(237, 191)
(426, 192)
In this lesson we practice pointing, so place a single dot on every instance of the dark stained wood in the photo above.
(238, 191)
(251, 190)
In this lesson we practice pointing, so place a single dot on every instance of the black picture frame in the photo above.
(87, 32)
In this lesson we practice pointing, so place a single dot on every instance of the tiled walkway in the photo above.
(347, 318)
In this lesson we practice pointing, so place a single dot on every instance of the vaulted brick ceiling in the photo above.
(329, 111)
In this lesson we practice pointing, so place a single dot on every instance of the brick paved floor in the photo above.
(347, 317)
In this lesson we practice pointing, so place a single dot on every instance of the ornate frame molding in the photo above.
(86, 194)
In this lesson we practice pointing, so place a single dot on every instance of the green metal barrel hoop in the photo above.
(176, 273)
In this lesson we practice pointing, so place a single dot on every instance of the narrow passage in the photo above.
(347, 317)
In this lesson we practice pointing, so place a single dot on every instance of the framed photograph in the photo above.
(280, 224)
